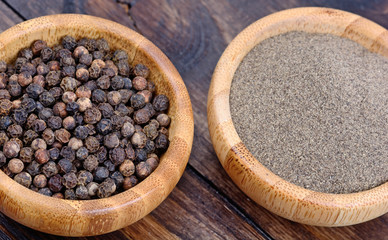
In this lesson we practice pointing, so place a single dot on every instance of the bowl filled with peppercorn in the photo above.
(96, 125)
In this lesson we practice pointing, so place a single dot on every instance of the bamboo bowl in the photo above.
(255, 180)
(93, 217)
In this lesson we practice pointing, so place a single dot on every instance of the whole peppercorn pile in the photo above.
(77, 121)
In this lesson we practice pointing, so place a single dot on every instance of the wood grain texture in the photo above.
(92, 217)
(9, 18)
(260, 184)
(101, 8)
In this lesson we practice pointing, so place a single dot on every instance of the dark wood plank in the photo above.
(194, 35)
(195, 211)
(102, 8)
(7, 18)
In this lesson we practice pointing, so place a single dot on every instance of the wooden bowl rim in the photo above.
(161, 181)
(232, 153)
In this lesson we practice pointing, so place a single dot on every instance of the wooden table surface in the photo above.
(193, 34)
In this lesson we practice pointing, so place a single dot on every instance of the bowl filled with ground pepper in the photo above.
(96, 125)
(296, 113)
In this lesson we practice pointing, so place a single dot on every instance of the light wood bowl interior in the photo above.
(255, 180)
(93, 217)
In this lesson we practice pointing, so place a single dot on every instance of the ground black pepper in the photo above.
(311, 108)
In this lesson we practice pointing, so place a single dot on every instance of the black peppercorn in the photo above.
(23, 178)
(69, 42)
(139, 83)
(53, 65)
(137, 101)
(58, 195)
(64, 165)
(92, 144)
(5, 106)
(123, 68)
(104, 126)
(38, 143)
(90, 163)
(109, 165)
(138, 139)
(84, 177)
(117, 178)
(160, 103)
(81, 192)
(150, 146)
(55, 183)
(37, 46)
(79, 51)
(127, 168)
(92, 115)
(54, 153)
(39, 125)
(127, 83)
(92, 188)
(34, 90)
(117, 155)
(141, 154)
(68, 71)
(143, 170)
(103, 82)
(99, 96)
(45, 191)
(70, 194)
(33, 168)
(81, 132)
(141, 70)
(54, 122)
(40, 181)
(111, 140)
(50, 169)
(15, 131)
(161, 142)
(6, 121)
(107, 188)
(53, 78)
(82, 153)
(102, 45)
(72, 108)
(25, 52)
(57, 92)
(28, 104)
(69, 180)
(101, 154)
(142, 116)
(42, 69)
(106, 110)
(46, 54)
(20, 61)
(119, 55)
(11, 149)
(24, 78)
(68, 153)
(62, 135)
(130, 182)
(4, 94)
(42, 156)
(100, 174)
